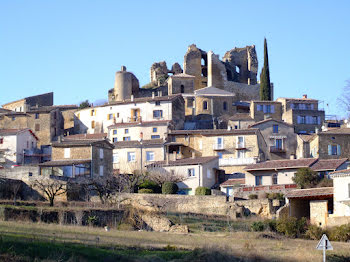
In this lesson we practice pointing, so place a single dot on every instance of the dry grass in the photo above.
(265, 245)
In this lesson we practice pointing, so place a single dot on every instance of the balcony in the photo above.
(274, 149)
(135, 119)
(218, 146)
(237, 161)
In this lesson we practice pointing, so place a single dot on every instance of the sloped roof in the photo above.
(12, 132)
(233, 182)
(65, 162)
(340, 173)
(306, 138)
(185, 161)
(311, 192)
(136, 143)
(336, 131)
(98, 136)
(81, 142)
(143, 99)
(212, 91)
(328, 164)
(143, 123)
(282, 164)
(204, 132)
(271, 120)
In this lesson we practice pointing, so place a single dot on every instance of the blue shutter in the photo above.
(272, 109)
(338, 150)
(329, 150)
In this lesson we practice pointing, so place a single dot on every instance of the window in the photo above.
(37, 127)
(101, 170)
(115, 132)
(30, 174)
(92, 124)
(274, 179)
(200, 144)
(240, 142)
(126, 138)
(92, 112)
(109, 116)
(259, 107)
(154, 129)
(258, 180)
(301, 120)
(219, 143)
(36, 116)
(101, 153)
(219, 155)
(67, 153)
(155, 137)
(278, 143)
(131, 157)
(190, 172)
(13, 118)
(1, 140)
(267, 109)
(334, 150)
(157, 113)
(150, 156)
(205, 105)
(117, 114)
(115, 139)
(157, 103)
(314, 120)
(182, 89)
(126, 131)
(224, 105)
(275, 129)
(32, 144)
(208, 173)
(240, 154)
(115, 158)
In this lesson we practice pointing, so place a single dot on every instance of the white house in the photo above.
(341, 189)
(198, 171)
(145, 109)
(13, 142)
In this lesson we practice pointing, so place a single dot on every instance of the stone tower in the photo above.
(125, 85)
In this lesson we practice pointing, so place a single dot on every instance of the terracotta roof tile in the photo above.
(311, 192)
(233, 182)
(328, 164)
(282, 164)
(136, 143)
(185, 161)
(336, 131)
(241, 116)
(65, 162)
(204, 132)
(98, 136)
(340, 173)
(269, 120)
(145, 123)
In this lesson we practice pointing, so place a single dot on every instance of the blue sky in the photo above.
(73, 48)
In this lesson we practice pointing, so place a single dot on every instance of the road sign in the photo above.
(324, 243)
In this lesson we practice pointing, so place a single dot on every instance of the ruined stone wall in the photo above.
(243, 92)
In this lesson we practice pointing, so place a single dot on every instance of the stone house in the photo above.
(131, 156)
(146, 130)
(304, 113)
(196, 172)
(80, 158)
(180, 84)
(331, 144)
(135, 110)
(24, 104)
(13, 143)
(303, 145)
(261, 110)
(281, 172)
(240, 121)
(48, 122)
(235, 148)
(280, 138)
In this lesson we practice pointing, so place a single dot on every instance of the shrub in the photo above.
(271, 224)
(340, 233)
(258, 226)
(145, 191)
(253, 196)
(305, 178)
(314, 232)
(291, 226)
(169, 188)
(278, 196)
(147, 184)
(202, 191)
(326, 182)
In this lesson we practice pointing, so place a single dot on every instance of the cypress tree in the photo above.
(265, 85)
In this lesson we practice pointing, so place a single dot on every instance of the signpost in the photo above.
(324, 245)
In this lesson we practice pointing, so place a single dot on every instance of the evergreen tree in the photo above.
(265, 85)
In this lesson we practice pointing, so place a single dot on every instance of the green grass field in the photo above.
(49, 242)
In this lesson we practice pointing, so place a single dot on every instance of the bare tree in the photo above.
(344, 99)
(160, 175)
(12, 186)
(51, 188)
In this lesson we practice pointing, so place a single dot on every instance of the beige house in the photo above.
(331, 144)
(13, 143)
(131, 156)
(280, 138)
(235, 148)
(261, 110)
(241, 121)
(24, 104)
(80, 158)
(197, 171)
(304, 113)
(141, 130)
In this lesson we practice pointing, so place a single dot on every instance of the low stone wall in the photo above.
(207, 205)
(337, 221)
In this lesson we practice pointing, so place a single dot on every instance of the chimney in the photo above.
(132, 97)
(152, 95)
(193, 154)
(123, 69)
(304, 96)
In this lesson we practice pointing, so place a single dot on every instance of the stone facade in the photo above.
(261, 110)
(25, 104)
(319, 212)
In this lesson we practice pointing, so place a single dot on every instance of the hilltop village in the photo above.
(200, 127)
